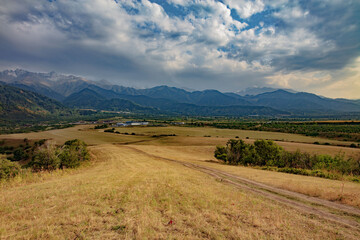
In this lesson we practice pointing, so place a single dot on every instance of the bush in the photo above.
(46, 157)
(220, 153)
(73, 153)
(269, 154)
(237, 152)
(111, 130)
(20, 154)
(8, 169)
(101, 126)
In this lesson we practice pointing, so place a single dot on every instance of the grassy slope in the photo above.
(313, 186)
(128, 195)
(128, 189)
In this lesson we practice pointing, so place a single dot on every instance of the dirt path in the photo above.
(339, 213)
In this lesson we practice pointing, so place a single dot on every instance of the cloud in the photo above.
(198, 44)
(246, 8)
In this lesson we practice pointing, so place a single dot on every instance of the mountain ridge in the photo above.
(166, 99)
(19, 104)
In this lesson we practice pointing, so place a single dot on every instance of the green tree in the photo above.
(46, 157)
(20, 154)
(220, 153)
(269, 152)
(73, 153)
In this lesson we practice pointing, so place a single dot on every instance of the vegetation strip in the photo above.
(276, 194)
(268, 155)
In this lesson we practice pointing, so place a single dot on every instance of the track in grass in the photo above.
(339, 213)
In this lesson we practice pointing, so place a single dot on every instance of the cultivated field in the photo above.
(171, 187)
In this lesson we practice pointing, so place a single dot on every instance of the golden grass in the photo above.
(90, 136)
(313, 186)
(128, 195)
(97, 136)
(214, 141)
(228, 133)
(195, 135)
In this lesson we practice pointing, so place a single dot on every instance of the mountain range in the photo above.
(19, 104)
(78, 92)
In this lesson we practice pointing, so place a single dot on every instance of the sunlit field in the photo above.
(129, 191)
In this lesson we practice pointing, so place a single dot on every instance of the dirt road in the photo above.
(342, 214)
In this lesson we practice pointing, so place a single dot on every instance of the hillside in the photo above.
(172, 187)
(101, 99)
(16, 103)
(88, 98)
(202, 98)
(302, 102)
(172, 100)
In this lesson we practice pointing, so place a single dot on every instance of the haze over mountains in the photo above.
(78, 92)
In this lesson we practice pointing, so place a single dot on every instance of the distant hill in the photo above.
(170, 100)
(53, 85)
(259, 90)
(19, 104)
(88, 98)
(202, 98)
(302, 102)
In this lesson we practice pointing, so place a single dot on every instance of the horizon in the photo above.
(179, 87)
(203, 44)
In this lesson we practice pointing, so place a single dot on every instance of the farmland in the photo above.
(156, 183)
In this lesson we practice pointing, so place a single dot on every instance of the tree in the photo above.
(220, 153)
(46, 157)
(269, 152)
(73, 153)
(20, 154)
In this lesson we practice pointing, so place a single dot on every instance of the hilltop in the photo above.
(78, 92)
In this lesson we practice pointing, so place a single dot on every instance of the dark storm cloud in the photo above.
(197, 44)
(337, 24)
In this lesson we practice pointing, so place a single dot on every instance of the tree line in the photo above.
(267, 154)
(44, 156)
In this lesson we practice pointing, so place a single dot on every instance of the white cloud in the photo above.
(246, 8)
(108, 36)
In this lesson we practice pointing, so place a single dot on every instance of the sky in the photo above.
(228, 45)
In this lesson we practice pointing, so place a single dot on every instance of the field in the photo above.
(171, 187)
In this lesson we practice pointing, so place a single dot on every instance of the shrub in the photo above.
(237, 152)
(101, 126)
(8, 169)
(111, 130)
(20, 154)
(220, 153)
(269, 152)
(73, 153)
(46, 157)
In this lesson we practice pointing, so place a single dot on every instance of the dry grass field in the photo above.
(312, 186)
(129, 192)
(126, 195)
(186, 136)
